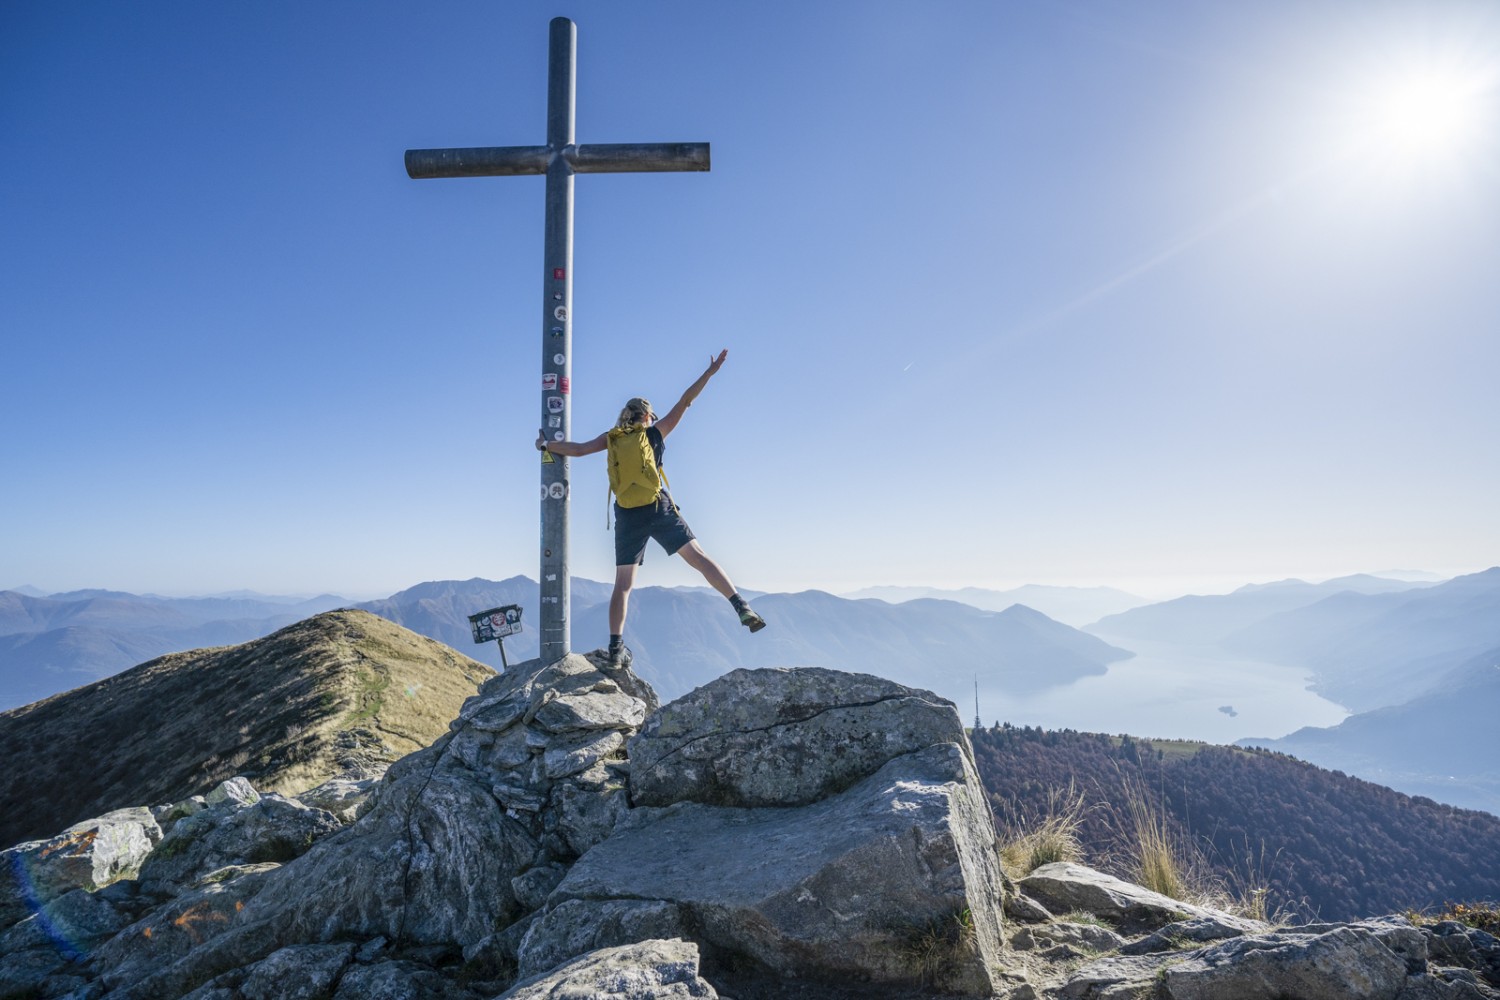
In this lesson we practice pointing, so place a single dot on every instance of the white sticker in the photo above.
(549, 381)
(554, 421)
(555, 404)
(551, 577)
(558, 359)
(544, 491)
(555, 491)
(560, 314)
(559, 436)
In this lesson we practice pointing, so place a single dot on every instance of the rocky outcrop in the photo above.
(568, 837)
(782, 737)
(1217, 955)
(1063, 887)
(87, 855)
(846, 824)
(645, 970)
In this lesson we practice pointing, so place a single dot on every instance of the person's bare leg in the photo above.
(619, 601)
(692, 553)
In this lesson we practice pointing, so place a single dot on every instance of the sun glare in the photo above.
(1428, 114)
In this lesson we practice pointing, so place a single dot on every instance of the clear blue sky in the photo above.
(1152, 294)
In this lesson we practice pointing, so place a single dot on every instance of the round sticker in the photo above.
(544, 491)
(558, 359)
(555, 491)
(559, 436)
(560, 313)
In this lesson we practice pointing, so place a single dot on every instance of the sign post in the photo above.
(559, 159)
(494, 625)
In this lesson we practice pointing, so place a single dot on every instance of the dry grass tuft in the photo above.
(1033, 841)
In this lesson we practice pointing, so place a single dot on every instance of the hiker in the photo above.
(644, 509)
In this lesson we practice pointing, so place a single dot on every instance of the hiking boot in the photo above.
(619, 658)
(751, 620)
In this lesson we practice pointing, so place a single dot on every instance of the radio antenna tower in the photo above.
(977, 724)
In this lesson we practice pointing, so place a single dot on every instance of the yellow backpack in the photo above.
(634, 478)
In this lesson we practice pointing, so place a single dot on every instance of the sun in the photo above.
(1425, 114)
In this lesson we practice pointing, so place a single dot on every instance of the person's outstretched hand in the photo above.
(714, 364)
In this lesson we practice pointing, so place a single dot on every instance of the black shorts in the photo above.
(635, 526)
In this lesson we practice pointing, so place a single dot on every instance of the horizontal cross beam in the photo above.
(593, 158)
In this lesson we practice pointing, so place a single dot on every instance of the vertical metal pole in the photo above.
(557, 339)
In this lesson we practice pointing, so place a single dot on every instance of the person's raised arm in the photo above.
(571, 448)
(667, 423)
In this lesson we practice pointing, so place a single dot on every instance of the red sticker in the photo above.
(564, 385)
(558, 274)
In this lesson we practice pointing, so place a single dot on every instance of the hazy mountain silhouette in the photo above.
(1375, 649)
(1442, 744)
(1199, 619)
(1075, 606)
(683, 637)
(50, 644)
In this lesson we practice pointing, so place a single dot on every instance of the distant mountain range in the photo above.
(1409, 657)
(1415, 661)
(1076, 606)
(682, 637)
(1370, 649)
(1210, 619)
(54, 643)
(1443, 744)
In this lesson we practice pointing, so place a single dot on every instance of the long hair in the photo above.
(635, 412)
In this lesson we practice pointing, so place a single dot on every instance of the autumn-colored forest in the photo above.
(1324, 845)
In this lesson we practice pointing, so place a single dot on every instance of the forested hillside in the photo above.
(1324, 844)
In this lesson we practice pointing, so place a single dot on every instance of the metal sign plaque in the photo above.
(488, 626)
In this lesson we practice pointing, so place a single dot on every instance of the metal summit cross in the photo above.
(560, 159)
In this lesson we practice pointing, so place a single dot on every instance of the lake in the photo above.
(1172, 691)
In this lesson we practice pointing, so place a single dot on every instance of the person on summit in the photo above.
(644, 509)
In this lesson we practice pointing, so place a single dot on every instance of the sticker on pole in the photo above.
(557, 491)
(496, 623)
(560, 314)
(555, 404)
(558, 274)
(554, 422)
(549, 382)
(557, 331)
(559, 358)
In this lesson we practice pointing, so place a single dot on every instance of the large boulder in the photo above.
(87, 855)
(1063, 887)
(1346, 962)
(645, 970)
(822, 824)
(782, 737)
(238, 827)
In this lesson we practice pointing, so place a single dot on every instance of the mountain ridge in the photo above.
(282, 709)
